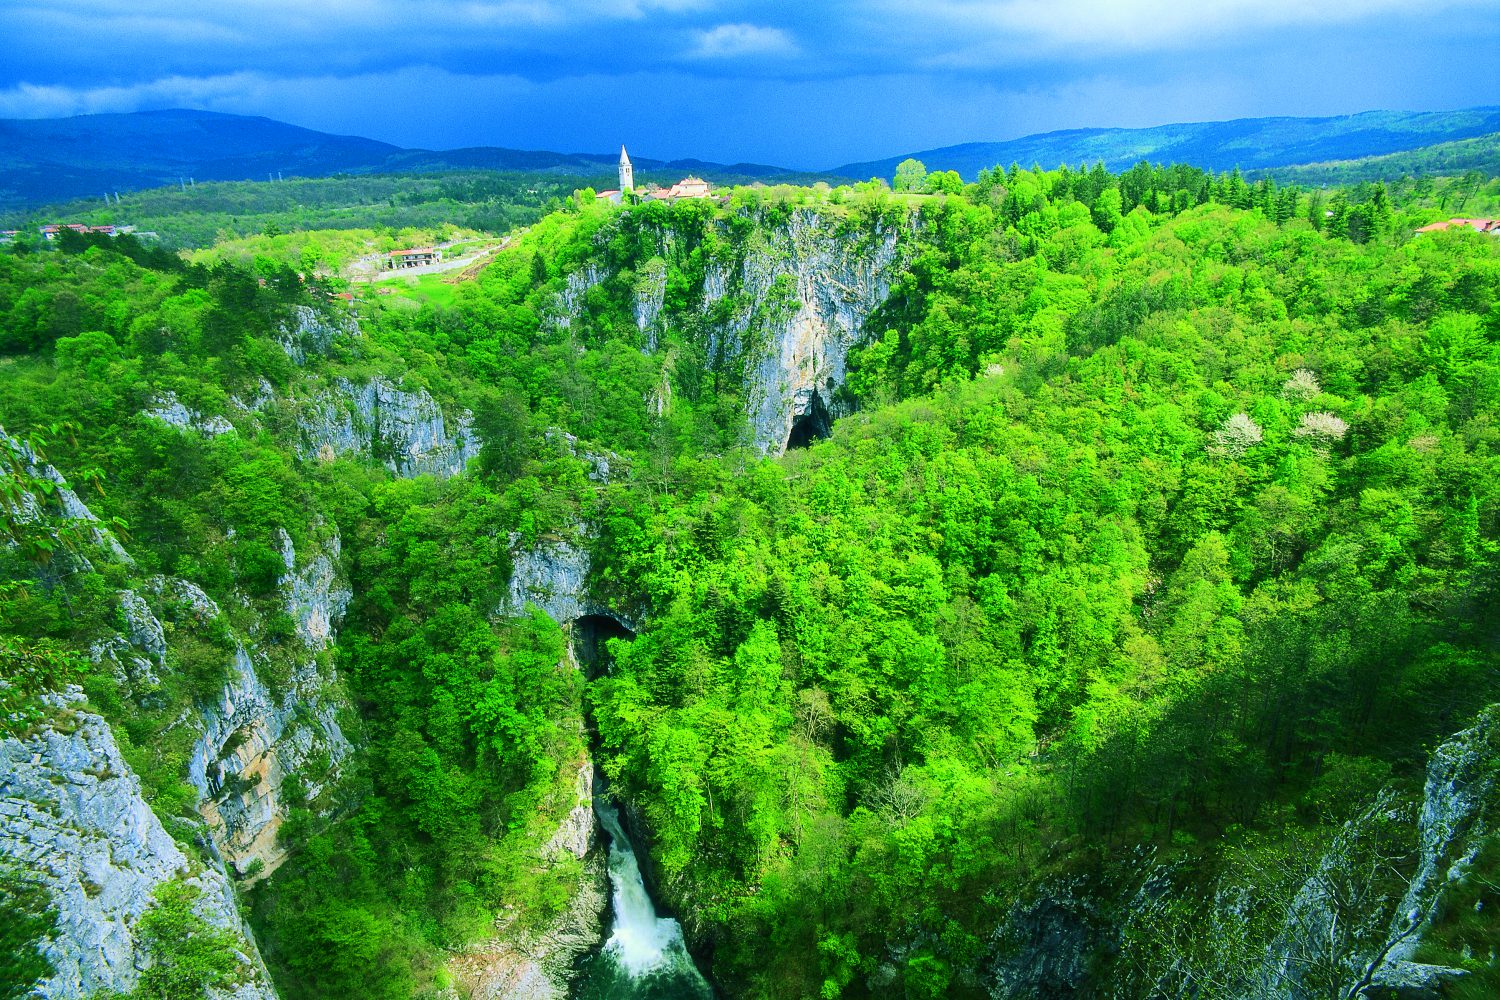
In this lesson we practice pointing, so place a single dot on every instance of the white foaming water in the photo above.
(642, 942)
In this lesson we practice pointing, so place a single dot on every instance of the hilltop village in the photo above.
(688, 187)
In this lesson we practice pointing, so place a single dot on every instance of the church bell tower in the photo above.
(627, 172)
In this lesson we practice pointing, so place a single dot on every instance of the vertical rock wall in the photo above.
(254, 740)
(787, 306)
(73, 817)
(836, 281)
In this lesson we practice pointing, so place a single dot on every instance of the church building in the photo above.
(627, 181)
(688, 187)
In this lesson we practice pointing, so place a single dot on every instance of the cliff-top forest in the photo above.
(1063, 583)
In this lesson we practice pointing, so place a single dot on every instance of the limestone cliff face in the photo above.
(405, 431)
(137, 652)
(73, 818)
(315, 596)
(1460, 808)
(570, 299)
(251, 739)
(783, 307)
(835, 282)
(167, 408)
(552, 575)
(254, 741)
(650, 296)
(1460, 804)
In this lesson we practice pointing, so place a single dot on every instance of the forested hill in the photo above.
(1120, 618)
(51, 160)
(1247, 143)
(1479, 156)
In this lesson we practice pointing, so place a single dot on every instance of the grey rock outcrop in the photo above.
(1350, 943)
(72, 814)
(265, 395)
(139, 650)
(65, 503)
(1045, 945)
(310, 332)
(167, 408)
(553, 575)
(578, 833)
(570, 300)
(252, 743)
(405, 431)
(1412, 981)
(650, 296)
(315, 597)
(1460, 806)
(258, 753)
(601, 465)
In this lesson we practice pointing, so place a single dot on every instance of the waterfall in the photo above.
(645, 957)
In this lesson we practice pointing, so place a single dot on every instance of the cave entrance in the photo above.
(590, 635)
(814, 424)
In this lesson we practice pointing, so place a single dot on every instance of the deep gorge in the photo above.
(1017, 592)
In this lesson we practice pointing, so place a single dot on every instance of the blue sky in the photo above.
(808, 84)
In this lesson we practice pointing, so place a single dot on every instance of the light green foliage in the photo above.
(938, 182)
(26, 920)
(324, 250)
(910, 175)
(27, 671)
(188, 955)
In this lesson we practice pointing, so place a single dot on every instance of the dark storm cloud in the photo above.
(802, 84)
(81, 42)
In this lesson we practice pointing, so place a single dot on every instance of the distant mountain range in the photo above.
(1252, 144)
(59, 159)
(53, 160)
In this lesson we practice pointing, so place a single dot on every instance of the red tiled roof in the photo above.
(1478, 225)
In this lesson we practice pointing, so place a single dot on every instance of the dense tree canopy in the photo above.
(1167, 515)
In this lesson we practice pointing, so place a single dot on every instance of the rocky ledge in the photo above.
(72, 817)
(405, 431)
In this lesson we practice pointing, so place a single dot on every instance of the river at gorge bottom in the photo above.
(645, 957)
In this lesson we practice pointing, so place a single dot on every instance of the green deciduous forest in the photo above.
(1159, 526)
